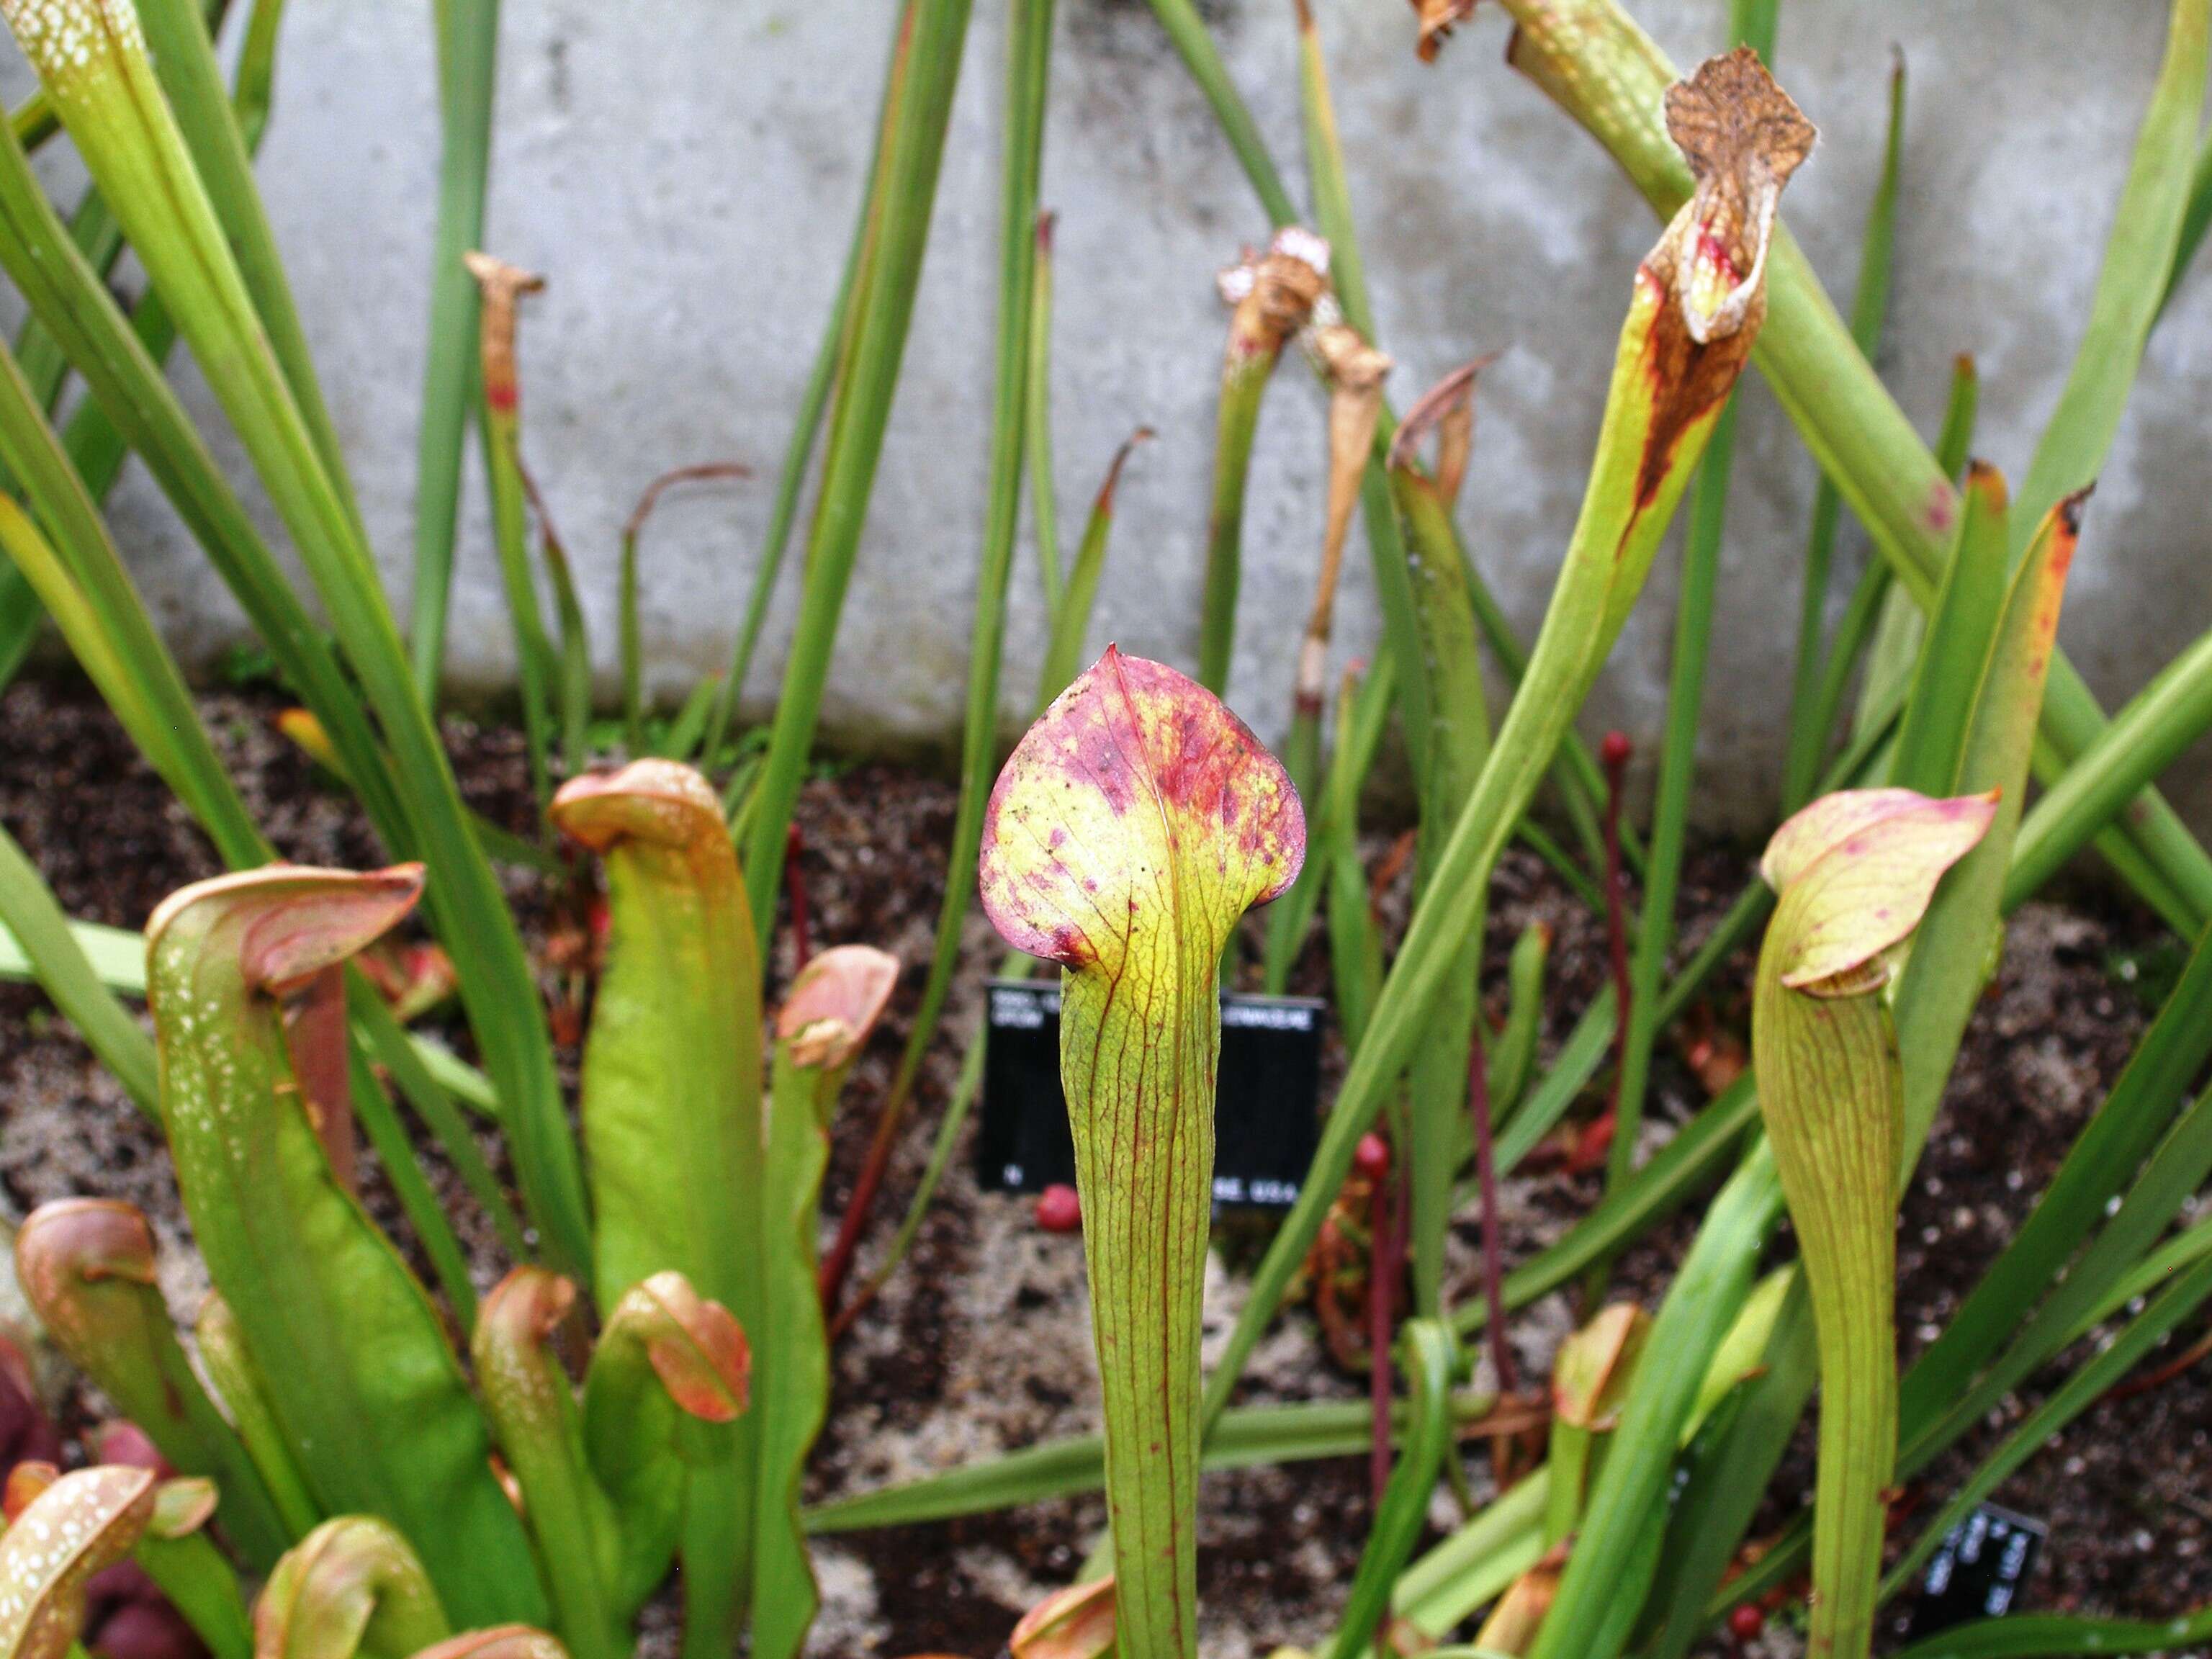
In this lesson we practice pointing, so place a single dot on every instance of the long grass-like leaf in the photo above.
(1404, 1511)
(468, 52)
(1246, 1436)
(1808, 732)
(883, 309)
(2139, 256)
(1028, 57)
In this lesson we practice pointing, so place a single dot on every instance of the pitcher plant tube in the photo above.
(1853, 872)
(1133, 826)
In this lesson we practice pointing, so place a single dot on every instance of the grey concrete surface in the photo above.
(685, 171)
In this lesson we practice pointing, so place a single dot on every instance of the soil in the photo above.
(980, 1343)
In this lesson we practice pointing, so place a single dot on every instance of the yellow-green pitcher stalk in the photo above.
(1853, 874)
(1134, 823)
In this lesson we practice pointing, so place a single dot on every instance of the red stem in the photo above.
(1383, 1266)
(794, 881)
(1494, 1251)
(1614, 753)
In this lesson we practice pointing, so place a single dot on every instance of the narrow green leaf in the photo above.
(2139, 257)
(1896, 646)
(201, 1584)
(1246, 1437)
(1953, 954)
(1029, 57)
(2040, 1635)
(834, 1004)
(468, 51)
(235, 1381)
(93, 63)
(1430, 1357)
(883, 309)
(184, 58)
(1961, 626)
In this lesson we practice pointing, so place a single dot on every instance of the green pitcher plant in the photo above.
(1133, 824)
(1853, 873)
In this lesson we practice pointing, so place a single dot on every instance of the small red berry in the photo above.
(1058, 1210)
(1371, 1157)
(1746, 1622)
(1615, 749)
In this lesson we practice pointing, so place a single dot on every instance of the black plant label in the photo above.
(1264, 1122)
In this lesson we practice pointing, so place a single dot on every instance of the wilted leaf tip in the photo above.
(1743, 137)
(1137, 800)
(1856, 872)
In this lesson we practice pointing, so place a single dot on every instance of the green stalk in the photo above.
(2139, 259)
(1037, 442)
(814, 400)
(834, 1004)
(184, 58)
(573, 664)
(1134, 825)
(2194, 222)
(1670, 807)
(1458, 741)
(540, 1431)
(1854, 873)
(1810, 721)
(1249, 1436)
(1273, 298)
(501, 286)
(1400, 1518)
(468, 52)
(1897, 637)
(1665, 394)
(677, 1156)
(1187, 32)
(115, 112)
(1029, 57)
(2155, 727)
(884, 306)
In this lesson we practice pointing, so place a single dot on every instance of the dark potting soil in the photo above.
(980, 1343)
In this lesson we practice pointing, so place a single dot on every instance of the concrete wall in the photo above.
(685, 173)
